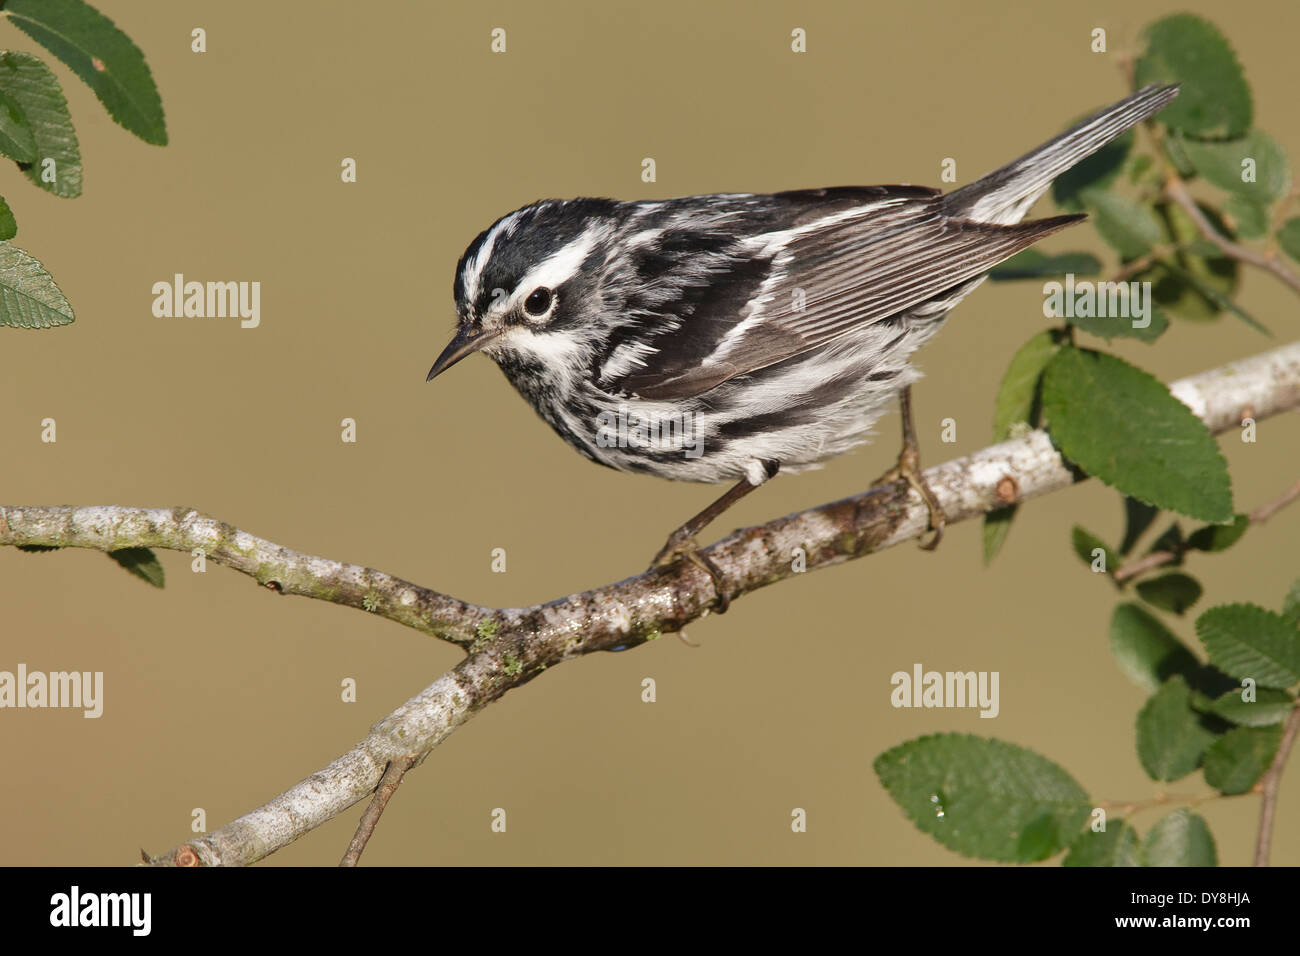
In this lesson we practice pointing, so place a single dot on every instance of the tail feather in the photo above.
(1006, 194)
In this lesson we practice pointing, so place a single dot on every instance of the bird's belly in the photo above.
(799, 413)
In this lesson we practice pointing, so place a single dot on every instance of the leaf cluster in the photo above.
(37, 133)
(1220, 711)
(997, 801)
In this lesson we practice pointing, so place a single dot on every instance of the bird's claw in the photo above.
(686, 547)
(908, 469)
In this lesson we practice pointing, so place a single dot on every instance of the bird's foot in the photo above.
(909, 469)
(680, 545)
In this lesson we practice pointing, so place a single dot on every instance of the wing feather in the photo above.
(829, 277)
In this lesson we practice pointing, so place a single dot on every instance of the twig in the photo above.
(1142, 565)
(523, 642)
(1143, 262)
(388, 784)
(1156, 559)
(1280, 213)
(1270, 508)
(1268, 787)
(1175, 187)
(1176, 190)
(1132, 807)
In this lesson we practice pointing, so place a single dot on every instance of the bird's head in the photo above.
(525, 287)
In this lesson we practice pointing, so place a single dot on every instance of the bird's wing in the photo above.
(777, 292)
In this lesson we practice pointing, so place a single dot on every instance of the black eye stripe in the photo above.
(538, 301)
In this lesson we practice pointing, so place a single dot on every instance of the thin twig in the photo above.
(1175, 187)
(1130, 808)
(1156, 559)
(1270, 508)
(388, 784)
(1176, 190)
(1281, 212)
(1148, 562)
(1268, 787)
(1143, 262)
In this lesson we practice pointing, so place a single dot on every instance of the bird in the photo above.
(732, 336)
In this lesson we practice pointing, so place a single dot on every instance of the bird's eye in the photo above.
(538, 302)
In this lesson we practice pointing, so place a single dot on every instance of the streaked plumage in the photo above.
(782, 323)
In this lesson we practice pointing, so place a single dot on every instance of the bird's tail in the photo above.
(1005, 195)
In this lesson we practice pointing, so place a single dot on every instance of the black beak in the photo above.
(465, 343)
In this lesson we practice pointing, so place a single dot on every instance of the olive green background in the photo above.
(220, 694)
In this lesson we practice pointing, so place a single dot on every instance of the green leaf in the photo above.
(997, 525)
(29, 83)
(1017, 399)
(1235, 762)
(16, 139)
(1246, 217)
(29, 299)
(1034, 264)
(1173, 147)
(1219, 537)
(1214, 101)
(8, 224)
(1200, 247)
(1095, 172)
(984, 798)
(1171, 540)
(1291, 603)
(1269, 707)
(1085, 545)
(1256, 155)
(1190, 285)
(1117, 845)
(1206, 289)
(141, 562)
(1128, 227)
(1171, 736)
(1016, 406)
(102, 55)
(1180, 839)
(1288, 237)
(1108, 327)
(1138, 516)
(1138, 166)
(1122, 425)
(1146, 651)
(1245, 640)
(1174, 592)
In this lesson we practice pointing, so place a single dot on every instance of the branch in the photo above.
(509, 647)
(388, 784)
(278, 568)
(1176, 190)
(1268, 787)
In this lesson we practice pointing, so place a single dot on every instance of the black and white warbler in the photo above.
(724, 337)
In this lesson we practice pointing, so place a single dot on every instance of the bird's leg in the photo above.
(909, 469)
(681, 543)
